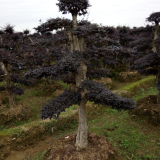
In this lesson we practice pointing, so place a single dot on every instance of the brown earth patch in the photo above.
(18, 113)
(57, 93)
(148, 109)
(47, 90)
(129, 76)
(16, 143)
(106, 81)
(3, 97)
(98, 149)
(22, 144)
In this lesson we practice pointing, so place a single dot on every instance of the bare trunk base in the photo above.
(11, 100)
(128, 66)
(82, 137)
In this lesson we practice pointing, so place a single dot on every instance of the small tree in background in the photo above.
(10, 63)
(127, 52)
(16, 57)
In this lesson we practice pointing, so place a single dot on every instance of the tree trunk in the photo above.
(8, 83)
(79, 45)
(11, 98)
(155, 37)
(155, 50)
(128, 66)
(0, 39)
(158, 81)
(31, 40)
(82, 137)
(9, 86)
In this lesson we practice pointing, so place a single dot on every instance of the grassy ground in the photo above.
(127, 136)
(134, 85)
(133, 138)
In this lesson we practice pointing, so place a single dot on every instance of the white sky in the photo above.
(25, 14)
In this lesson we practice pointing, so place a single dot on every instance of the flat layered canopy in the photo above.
(154, 17)
(73, 6)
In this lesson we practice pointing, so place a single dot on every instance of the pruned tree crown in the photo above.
(73, 6)
(154, 17)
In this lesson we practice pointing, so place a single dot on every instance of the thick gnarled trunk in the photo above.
(79, 45)
(82, 137)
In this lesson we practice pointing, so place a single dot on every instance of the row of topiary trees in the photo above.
(76, 49)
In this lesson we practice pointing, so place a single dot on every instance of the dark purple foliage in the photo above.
(16, 90)
(53, 108)
(154, 17)
(73, 6)
(102, 95)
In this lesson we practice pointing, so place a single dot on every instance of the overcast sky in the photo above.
(25, 14)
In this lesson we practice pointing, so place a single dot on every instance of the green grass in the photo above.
(10, 131)
(68, 110)
(142, 81)
(144, 93)
(18, 98)
(126, 135)
(19, 123)
(36, 92)
(2, 83)
(65, 86)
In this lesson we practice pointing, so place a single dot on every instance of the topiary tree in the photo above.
(128, 52)
(149, 63)
(11, 64)
(16, 58)
(75, 61)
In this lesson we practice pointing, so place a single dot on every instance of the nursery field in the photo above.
(77, 90)
(132, 135)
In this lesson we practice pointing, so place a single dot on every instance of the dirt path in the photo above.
(31, 151)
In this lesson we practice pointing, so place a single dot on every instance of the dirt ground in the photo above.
(148, 109)
(9, 144)
(34, 140)
(20, 112)
(64, 149)
(98, 149)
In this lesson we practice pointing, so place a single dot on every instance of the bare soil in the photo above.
(129, 76)
(148, 109)
(16, 143)
(98, 149)
(19, 112)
